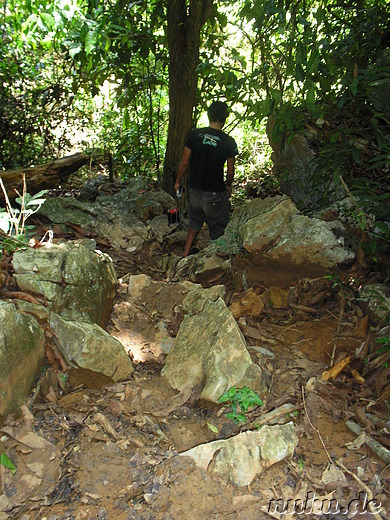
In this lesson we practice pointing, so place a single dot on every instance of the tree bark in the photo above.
(185, 22)
(44, 176)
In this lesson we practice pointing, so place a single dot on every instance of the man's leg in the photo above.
(191, 236)
(217, 209)
(196, 218)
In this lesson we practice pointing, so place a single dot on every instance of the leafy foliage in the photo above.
(13, 220)
(319, 67)
(38, 83)
(240, 399)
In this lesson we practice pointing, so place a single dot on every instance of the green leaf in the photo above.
(47, 20)
(74, 49)
(39, 194)
(126, 119)
(383, 227)
(245, 405)
(231, 415)
(5, 461)
(310, 96)
(36, 202)
(257, 400)
(301, 54)
(212, 428)
(90, 41)
(354, 86)
(232, 391)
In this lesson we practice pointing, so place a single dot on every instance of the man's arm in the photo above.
(185, 160)
(230, 174)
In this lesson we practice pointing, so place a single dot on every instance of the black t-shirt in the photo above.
(210, 148)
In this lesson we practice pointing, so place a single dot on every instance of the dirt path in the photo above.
(116, 445)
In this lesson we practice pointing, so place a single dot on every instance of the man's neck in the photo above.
(217, 125)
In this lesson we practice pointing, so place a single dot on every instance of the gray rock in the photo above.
(76, 281)
(123, 230)
(274, 228)
(137, 332)
(88, 346)
(210, 352)
(375, 297)
(110, 217)
(22, 350)
(137, 283)
(90, 190)
(160, 228)
(199, 268)
(196, 299)
(153, 204)
(295, 162)
(243, 457)
(207, 267)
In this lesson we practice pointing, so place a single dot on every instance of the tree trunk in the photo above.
(41, 177)
(184, 27)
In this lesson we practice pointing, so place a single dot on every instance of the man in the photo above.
(207, 150)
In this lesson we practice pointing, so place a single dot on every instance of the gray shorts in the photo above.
(210, 207)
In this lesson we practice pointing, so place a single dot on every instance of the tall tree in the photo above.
(185, 21)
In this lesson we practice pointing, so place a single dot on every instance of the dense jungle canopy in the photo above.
(127, 80)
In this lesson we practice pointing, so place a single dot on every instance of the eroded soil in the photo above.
(116, 445)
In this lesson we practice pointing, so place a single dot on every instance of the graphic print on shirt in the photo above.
(210, 140)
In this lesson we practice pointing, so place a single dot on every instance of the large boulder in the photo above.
(113, 222)
(76, 281)
(276, 230)
(140, 321)
(22, 350)
(119, 218)
(210, 352)
(78, 284)
(243, 457)
(86, 345)
(296, 164)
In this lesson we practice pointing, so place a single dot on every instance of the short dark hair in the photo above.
(218, 111)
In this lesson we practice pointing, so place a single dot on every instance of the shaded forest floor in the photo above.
(116, 444)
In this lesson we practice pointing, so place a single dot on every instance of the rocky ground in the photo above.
(97, 450)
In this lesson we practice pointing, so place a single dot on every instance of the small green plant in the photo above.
(13, 220)
(301, 465)
(240, 399)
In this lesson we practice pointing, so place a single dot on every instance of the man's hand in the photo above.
(185, 160)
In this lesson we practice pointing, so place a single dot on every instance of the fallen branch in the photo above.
(274, 414)
(382, 452)
(44, 176)
(303, 308)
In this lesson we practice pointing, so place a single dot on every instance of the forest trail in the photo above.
(116, 444)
